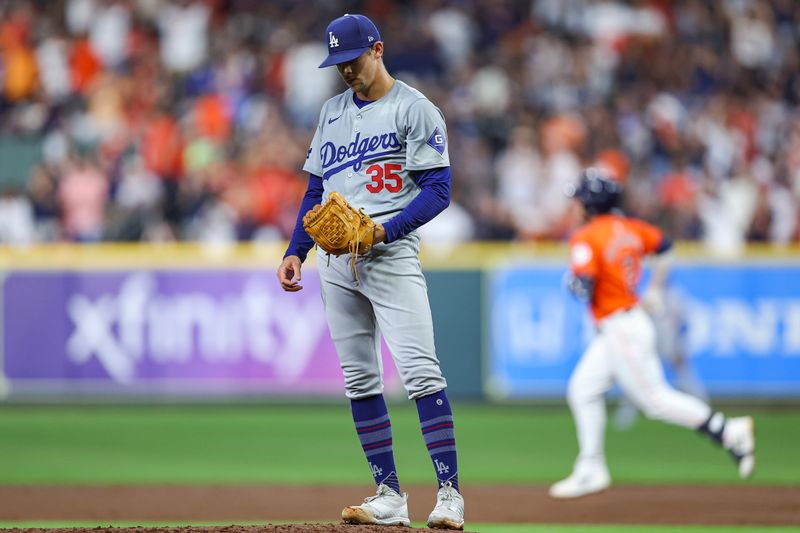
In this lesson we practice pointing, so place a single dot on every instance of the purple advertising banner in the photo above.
(227, 332)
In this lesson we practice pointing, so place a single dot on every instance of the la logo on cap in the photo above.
(348, 37)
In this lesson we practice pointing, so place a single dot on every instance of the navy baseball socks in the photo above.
(436, 421)
(375, 433)
(737, 435)
(713, 427)
(389, 507)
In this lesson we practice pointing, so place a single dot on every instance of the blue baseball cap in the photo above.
(348, 37)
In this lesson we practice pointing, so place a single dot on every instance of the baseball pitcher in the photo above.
(378, 169)
(605, 264)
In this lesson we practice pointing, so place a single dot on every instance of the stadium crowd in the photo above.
(190, 119)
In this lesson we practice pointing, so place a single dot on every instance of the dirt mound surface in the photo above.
(739, 504)
(288, 528)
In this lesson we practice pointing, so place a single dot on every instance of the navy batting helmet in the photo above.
(598, 191)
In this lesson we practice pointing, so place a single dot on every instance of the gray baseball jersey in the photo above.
(366, 154)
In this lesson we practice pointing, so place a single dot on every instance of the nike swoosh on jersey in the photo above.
(332, 120)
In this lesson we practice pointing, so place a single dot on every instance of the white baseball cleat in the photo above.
(386, 508)
(449, 510)
(739, 438)
(587, 478)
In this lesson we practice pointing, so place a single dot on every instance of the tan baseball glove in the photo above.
(338, 228)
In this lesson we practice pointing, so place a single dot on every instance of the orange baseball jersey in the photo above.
(609, 249)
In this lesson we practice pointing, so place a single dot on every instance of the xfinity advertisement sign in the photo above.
(227, 332)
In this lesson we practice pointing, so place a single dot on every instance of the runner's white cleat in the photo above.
(587, 478)
(449, 510)
(386, 508)
(739, 438)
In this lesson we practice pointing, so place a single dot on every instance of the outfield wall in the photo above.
(738, 326)
(181, 321)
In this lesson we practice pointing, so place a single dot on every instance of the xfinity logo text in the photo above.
(138, 325)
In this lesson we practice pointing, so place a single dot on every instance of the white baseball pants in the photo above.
(624, 352)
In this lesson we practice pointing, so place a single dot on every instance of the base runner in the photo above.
(605, 265)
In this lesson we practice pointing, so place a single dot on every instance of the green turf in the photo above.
(317, 444)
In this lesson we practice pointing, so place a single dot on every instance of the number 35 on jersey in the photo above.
(385, 176)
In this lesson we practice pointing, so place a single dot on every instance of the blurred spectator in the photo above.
(42, 193)
(20, 73)
(53, 65)
(306, 86)
(16, 219)
(520, 183)
(83, 196)
(79, 14)
(84, 64)
(135, 212)
(678, 195)
(184, 27)
(562, 140)
(197, 114)
(108, 33)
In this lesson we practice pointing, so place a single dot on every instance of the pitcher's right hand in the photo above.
(289, 273)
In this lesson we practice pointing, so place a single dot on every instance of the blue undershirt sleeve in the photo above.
(432, 199)
(301, 243)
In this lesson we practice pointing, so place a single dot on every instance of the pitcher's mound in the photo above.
(288, 528)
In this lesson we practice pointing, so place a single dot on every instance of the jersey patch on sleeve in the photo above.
(581, 254)
(437, 141)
